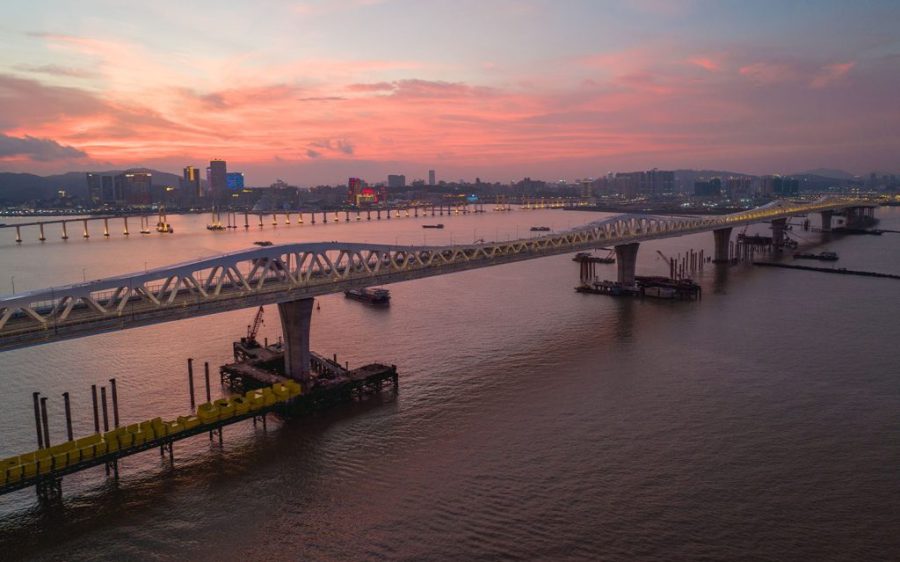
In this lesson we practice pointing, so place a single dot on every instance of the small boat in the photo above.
(215, 226)
(439, 225)
(370, 295)
(263, 243)
(540, 229)
(821, 256)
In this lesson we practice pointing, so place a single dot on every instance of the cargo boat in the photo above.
(822, 256)
(370, 295)
(587, 257)
(439, 225)
(540, 229)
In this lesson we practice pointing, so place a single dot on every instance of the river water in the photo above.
(532, 422)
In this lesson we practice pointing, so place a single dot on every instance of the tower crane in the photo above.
(253, 329)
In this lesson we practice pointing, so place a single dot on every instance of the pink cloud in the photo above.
(709, 63)
(765, 73)
(831, 73)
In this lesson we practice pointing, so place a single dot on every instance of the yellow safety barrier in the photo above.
(147, 430)
(159, 427)
(256, 400)
(226, 408)
(112, 441)
(189, 422)
(294, 388)
(208, 412)
(241, 405)
(281, 391)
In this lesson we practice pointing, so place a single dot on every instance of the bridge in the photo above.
(291, 275)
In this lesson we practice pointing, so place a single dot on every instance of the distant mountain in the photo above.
(21, 188)
(827, 173)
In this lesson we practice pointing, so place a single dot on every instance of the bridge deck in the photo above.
(294, 271)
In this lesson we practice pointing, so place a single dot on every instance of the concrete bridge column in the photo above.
(722, 238)
(826, 220)
(778, 226)
(296, 317)
(626, 260)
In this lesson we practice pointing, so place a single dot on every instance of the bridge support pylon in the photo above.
(722, 238)
(626, 260)
(778, 227)
(826, 220)
(296, 317)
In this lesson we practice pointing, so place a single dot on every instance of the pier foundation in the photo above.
(626, 260)
(826, 220)
(722, 237)
(296, 317)
(778, 227)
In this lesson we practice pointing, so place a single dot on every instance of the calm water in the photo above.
(762, 423)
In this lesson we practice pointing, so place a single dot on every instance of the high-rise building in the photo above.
(137, 187)
(102, 189)
(354, 189)
(431, 178)
(218, 180)
(708, 188)
(396, 181)
(652, 182)
(191, 184)
(234, 181)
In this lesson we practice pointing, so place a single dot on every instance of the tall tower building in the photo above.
(354, 190)
(431, 178)
(218, 180)
(191, 184)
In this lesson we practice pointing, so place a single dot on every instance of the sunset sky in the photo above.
(315, 91)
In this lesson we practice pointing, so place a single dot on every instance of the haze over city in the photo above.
(314, 92)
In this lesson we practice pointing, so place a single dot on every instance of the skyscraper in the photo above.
(431, 178)
(218, 180)
(191, 184)
(354, 189)
(396, 181)
(235, 181)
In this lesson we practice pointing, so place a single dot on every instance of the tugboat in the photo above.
(439, 225)
(370, 295)
(821, 256)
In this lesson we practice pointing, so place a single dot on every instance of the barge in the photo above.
(370, 295)
(821, 256)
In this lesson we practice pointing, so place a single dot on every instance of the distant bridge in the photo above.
(294, 272)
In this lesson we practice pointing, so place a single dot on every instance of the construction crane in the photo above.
(670, 262)
(253, 329)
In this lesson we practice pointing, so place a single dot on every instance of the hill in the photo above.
(18, 188)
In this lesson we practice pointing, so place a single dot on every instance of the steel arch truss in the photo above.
(286, 272)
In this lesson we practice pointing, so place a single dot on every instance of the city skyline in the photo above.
(320, 91)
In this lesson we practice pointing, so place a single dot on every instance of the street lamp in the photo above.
(83, 275)
(12, 281)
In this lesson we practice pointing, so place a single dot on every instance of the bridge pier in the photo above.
(722, 238)
(626, 260)
(296, 317)
(778, 227)
(826, 220)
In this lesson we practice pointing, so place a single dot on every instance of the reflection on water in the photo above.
(531, 421)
